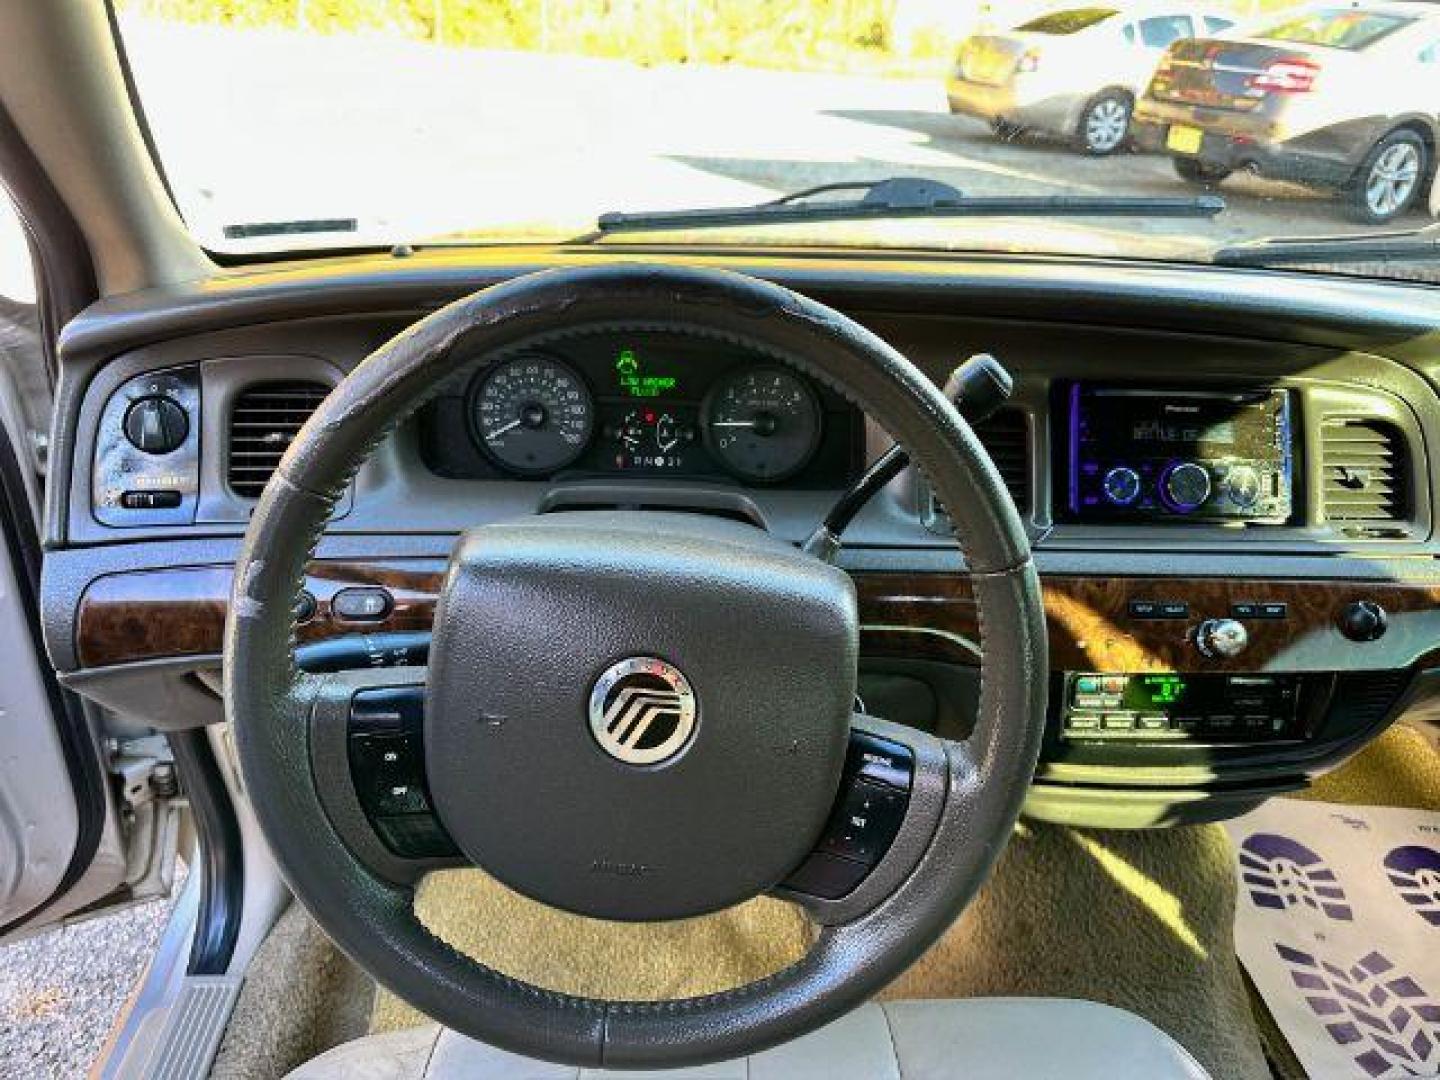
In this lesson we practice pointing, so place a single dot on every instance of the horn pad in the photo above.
(638, 716)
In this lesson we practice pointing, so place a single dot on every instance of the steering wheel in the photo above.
(638, 716)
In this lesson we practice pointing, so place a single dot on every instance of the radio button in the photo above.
(1121, 485)
(1242, 484)
(1185, 486)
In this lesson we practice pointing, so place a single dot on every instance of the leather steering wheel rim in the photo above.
(980, 782)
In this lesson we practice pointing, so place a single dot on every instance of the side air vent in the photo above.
(1366, 473)
(263, 422)
(1006, 436)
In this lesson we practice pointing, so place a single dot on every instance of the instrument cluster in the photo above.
(656, 405)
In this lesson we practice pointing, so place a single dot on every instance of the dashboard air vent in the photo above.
(1007, 438)
(1366, 473)
(263, 423)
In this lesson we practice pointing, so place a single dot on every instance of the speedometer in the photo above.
(532, 415)
(763, 423)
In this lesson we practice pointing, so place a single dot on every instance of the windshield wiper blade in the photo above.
(256, 230)
(905, 197)
(1410, 245)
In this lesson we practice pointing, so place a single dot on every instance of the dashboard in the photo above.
(1227, 479)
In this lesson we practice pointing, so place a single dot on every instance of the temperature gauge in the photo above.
(763, 423)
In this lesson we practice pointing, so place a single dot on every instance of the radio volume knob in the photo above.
(1122, 485)
(1185, 486)
(1221, 639)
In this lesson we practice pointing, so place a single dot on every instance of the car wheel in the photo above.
(1105, 123)
(1200, 173)
(1389, 178)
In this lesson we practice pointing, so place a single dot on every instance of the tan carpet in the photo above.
(634, 961)
(1400, 768)
(1140, 920)
(301, 996)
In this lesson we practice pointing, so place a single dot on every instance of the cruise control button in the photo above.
(827, 876)
(366, 604)
(866, 821)
(415, 836)
(400, 798)
(880, 760)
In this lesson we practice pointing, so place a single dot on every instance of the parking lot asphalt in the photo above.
(413, 140)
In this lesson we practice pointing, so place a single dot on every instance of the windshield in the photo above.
(287, 125)
(1338, 28)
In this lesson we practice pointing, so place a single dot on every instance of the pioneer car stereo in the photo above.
(1178, 455)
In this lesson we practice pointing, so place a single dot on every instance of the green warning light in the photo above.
(634, 382)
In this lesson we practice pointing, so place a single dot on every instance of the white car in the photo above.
(1074, 72)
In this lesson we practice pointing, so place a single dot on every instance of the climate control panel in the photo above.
(1172, 707)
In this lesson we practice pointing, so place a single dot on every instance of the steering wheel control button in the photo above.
(880, 760)
(642, 711)
(156, 425)
(1221, 639)
(828, 877)
(865, 823)
(387, 767)
(361, 604)
(1363, 620)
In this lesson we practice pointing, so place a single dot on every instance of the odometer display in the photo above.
(532, 415)
(762, 423)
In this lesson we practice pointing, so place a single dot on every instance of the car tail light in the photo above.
(1029, 61)
(1286, 77)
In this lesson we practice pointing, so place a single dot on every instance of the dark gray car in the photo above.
(1338, 96)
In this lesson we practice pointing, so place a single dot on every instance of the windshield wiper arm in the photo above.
(906, 197)
(1410, 245)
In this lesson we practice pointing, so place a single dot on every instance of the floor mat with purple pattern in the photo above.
(1338, 924)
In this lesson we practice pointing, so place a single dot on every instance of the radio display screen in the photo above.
(1178, 454)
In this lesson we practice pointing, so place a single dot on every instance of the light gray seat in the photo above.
(973, 1039)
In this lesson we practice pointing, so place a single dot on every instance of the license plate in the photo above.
(1184, 140)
